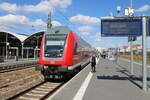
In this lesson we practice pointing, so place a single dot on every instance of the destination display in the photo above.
(56, 36)
(121, 27)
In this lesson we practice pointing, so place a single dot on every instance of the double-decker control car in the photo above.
(62, 52)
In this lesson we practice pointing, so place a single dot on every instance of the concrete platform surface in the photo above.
(109, 82)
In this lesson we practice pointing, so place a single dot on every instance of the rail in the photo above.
(11, 66)
(39, 92)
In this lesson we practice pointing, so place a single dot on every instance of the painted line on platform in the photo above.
(133, 62)
(53, 95)
(83, 87)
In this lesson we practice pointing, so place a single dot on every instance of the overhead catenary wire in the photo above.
(63, 15)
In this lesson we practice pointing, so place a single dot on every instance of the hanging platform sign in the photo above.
(121, 27)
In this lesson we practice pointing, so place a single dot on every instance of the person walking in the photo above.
(93, 63)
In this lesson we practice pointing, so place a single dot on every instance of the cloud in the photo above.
(143, 8)
(85, 28)
(56, 23)
(82, 19)
(11, 21)
(5, 27)
(8, 7)
(61, 3)
(43, 7)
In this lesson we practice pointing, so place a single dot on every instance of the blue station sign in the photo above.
(28, 48)
(121, 27)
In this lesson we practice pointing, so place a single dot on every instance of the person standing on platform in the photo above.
(93, 63)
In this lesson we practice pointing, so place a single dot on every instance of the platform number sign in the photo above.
(121, 27)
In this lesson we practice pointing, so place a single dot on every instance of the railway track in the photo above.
(16, 66)
(38, 92)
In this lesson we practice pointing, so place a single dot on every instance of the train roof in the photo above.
(65, 30)
(59, 30)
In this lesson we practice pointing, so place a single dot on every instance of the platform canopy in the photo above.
(34, 40)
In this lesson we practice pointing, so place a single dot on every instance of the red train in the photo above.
(63, 52)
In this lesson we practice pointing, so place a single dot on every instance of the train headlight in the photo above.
(60, 55)
(46, 55)
(45, 67)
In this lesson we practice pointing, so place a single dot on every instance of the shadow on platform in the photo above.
(116, 77)
(132, 78)
(126, 72)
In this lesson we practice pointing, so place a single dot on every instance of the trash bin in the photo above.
(1, 59)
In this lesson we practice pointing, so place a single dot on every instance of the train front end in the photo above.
(55, 55)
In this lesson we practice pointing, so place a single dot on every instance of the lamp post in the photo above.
(34, 52)
(6, 44)
(22, 50)
(27, 54)
(37, 45)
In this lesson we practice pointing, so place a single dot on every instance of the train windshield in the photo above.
(54, 45)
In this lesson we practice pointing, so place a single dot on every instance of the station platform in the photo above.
(111, 81)
(9, 61)
(10, 64)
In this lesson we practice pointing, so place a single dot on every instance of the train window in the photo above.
(57, 31)
(75, 47)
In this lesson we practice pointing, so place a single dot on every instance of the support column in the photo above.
(6, 44)
(131, 58)
(144, 59)
(22, 50)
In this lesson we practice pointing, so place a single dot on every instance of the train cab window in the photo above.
(54, 45)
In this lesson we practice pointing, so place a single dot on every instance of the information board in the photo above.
(121, 27)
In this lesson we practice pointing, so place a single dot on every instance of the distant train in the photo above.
(62, 52)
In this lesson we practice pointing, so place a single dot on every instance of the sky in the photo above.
(82, 16)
